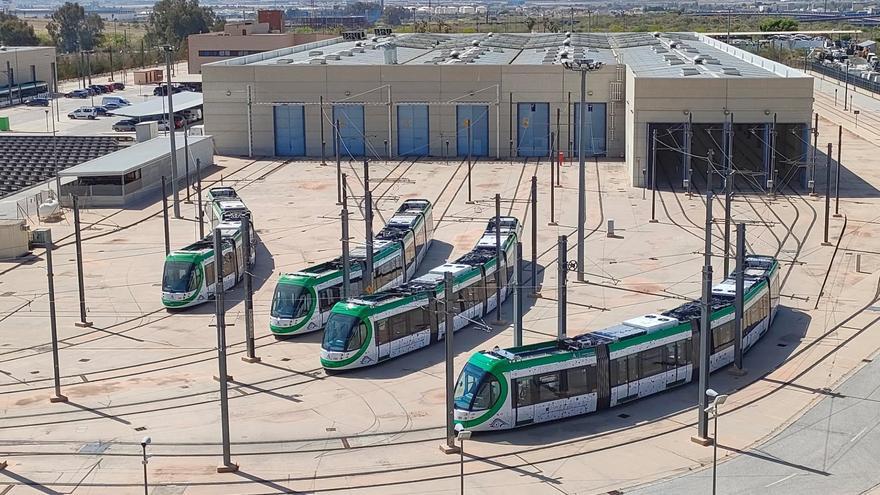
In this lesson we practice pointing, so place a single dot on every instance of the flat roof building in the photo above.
(515, 95)
(27, 71)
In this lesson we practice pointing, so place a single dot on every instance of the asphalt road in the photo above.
(832, 449)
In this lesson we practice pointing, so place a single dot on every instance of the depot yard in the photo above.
(141, 370)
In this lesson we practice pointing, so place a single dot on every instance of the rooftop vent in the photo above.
(345, 53)
(317, 61)
(675, 61)
(284, 61)
(567, 42)
(475, 42)
(315, 53)
(731, 71)
(689, 71)
(454, 54)
(333, 56)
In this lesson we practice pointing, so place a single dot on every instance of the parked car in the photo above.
(161, 90)
(192, 115)
(37, 101)
(84, 113)
(98, 89)
(126, 125)
(115, 100)
(178, 123)
(119, 85)
(102, 111)
(77, 93)
(109, 87)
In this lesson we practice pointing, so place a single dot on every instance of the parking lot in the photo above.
(26, 119)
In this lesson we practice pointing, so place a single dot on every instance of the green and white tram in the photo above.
(509, 388)
(303, 299)
(371, 329)
(189, 277)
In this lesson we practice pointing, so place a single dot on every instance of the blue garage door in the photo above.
(533, 133)
(290, 130)
(593, 127)
(412, 130)
(351, 129)
(477, 118)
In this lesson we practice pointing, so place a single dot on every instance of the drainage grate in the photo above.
(141, 428)
(93, 448)
(623, 415)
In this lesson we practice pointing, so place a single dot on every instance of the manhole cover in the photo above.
(93, 448)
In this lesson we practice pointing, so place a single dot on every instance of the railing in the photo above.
(841, 75)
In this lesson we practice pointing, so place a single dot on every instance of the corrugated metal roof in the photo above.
(156, 106)
(131, 158)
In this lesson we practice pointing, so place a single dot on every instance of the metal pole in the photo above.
(827, 192)
(518, 299)
(346, 264)
(323, 141)
(705, 317)
(79, 266)
(715, 450)
(837, 175)
(654, 177)
(562, 279)
(738, 301)
(498, 258)
(773, 158)
(199, 198)
(553, 188)
(687, 156)
(368, 217)
(53, 324)
(534, 235)
(338, 164)
(582, 180)
(461, 464)
(220, 307)
(845, 85)
(144, 462)
(165, 216)
(728, 195)
(171, 133)
(250, 121)
(470, 151)
(448, 315)
(812, 179)
(186, 157)
(251, 356)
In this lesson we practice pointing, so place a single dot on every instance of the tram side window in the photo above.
(210, 276)
(490, 285)
(651, 362)
(410, 251)
(510, 266)
(388, 271)
(383, 332)
(329, 297)
(624, 369)
(357, 338)
(398, 326)
(228, 264)
(419, 238)
(419, 320)
(722, 336)
(469, 297)
(581, 381)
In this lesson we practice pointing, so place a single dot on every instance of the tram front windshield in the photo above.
(339, 333)
(476, 389)
(291, 301)
(179, 276)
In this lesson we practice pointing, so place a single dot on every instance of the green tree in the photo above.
(16, 32)
(71, 29)
(171, 21)
(394, 15)
(530, 23)
(781, 24)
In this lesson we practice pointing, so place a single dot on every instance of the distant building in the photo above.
(25, 71)
(243, 38)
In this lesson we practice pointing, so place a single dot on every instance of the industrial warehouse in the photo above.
(508, 95)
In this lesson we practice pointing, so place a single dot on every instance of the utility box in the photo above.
(144, 131)
(14, 238)
(4, 123)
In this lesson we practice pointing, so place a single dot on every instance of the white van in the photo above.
(84, 113)
(114, 101)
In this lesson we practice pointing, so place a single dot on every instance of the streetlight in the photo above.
(717, 401)
(582, 65)
(146, 441)
(462, 435)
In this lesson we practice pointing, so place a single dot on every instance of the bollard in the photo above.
(610, 231)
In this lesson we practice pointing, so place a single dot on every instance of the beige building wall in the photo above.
(14, 236)
(27, 62)
(231, 44)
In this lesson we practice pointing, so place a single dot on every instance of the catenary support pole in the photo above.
(705, 320)
(728, 198)
(448, 316)
(561, 297)
(346, 263)
(498, 258)
(220, 316)
(654, 176)
(77, 230)
(323, 141)
(186, 156)
(248, 245)
(368, 217)
(773, 136)
(534, 263)
(199, 198)
(552, 188)
(165, 217)
(582, 179)
(53, 319)
(518, 298)
(827, 193)
(738, 301)
(470, 199)
(815, 152)
(175, 190)
(338, 163)
(837, 174)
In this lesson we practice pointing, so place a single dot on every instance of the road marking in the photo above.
(858, 434)
(790, 476)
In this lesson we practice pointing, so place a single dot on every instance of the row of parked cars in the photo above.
(95, 89)
(180, 119)
(108, 104)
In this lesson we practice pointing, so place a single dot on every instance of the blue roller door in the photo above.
(533, 129)
(290, 130)
(412, 130)
(593, 127)
(351, 129)
(477, 118)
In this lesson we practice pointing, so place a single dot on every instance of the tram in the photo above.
(370, 329)
(508, 388)
(303, 299)
(188, 276)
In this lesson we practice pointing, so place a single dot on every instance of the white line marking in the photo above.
(780, 481)
(858, 434)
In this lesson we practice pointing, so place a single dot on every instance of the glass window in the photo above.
(548, 386)
(652, 362)
(329, 297)
(398, 326)
(357, 339)
(383, 332)
(524, 396)
(180, 276)
(467, 386)
(419, 320)
(722, 336)
(210, 276)
(338, 331)
(488, 393)
(410, 252)
(228, 264)
(291, 301)
(581, 381)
